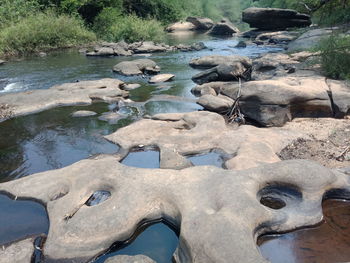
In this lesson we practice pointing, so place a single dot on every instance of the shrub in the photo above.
(113, 27)
(335, 56)
(12, 11)
(43, 31)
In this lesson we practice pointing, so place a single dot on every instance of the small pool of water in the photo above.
(143, 159)
(326, 243)
(157, 241)
(21, 219)
(212, 158)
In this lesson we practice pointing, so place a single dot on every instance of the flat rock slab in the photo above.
(161, 78)
(309, 39)
(83, 113)
(69, 94)
(20, 252)
(215, 60)
(137, 67)
(180, 135)
(130, 259)
(201, 201)
(274, 18)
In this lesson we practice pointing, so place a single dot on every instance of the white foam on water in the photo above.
(13, 87)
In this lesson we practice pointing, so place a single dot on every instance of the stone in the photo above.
(201, 23)
(223, 72)
(227, 230)
(129, 259)
(193, 47)
(20, 252)
(136, 67)
(2, 62)
(241, 44)
(215, 60)
(69, 94)
(224, 28)
(273, 102)
(131, 86)
(215, 103)
(309, 39)
(161, 78)
(102, 51)
(181, 26)
(274, 18)
(150, 47)
(83, 113)
(279, 37)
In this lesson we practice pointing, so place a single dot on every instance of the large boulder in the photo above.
(111, 49)
(215, 60)
(148, 47)
(274, 102)
(224, 72)
(224, 28)
(309, 39)
(136, 67)
(181, 26)
(275, 18)
(2, 62)
(201, 23)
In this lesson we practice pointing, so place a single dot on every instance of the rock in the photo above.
(161, 78)
(215, 60)
(2, 62)
(150, 47)
(42, 54)
(111, 117)
(274, 102)
(224, 28)
(129, 87)
(83, 113)
(223, 72)
(309, 39)
(129, 259)
(194, 47)
(111, 49)
(102, 51)
(215, 103)
(201, 23)
(241, 44)
(20, 252)
(274, 18)
(69, 94)
(181, 26)
(136, 67)
(279, 37)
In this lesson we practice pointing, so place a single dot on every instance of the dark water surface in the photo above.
(327, 243)
(157, 241)
(20, 219)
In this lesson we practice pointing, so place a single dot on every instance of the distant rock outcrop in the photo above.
(275, 18)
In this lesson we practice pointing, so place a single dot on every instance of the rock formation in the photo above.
(137, 67)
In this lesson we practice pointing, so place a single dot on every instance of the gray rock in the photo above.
(83, 113)
(201, 23)
(20, 252)
(274, 18)
(194, 47)
(227, 229)
(279, 37)
(69, 94)
(150, 47)
(223, 72)
(215, 103)
(136, 67)
(102, 51)
(161, 78)
(2, 62)
(181, 26)
(129, 87)
(241, 44)
(215, 60)
(130, 259)
(224, 28)
(309, 39)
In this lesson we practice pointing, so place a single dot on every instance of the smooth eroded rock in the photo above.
(20, 252)
(201, 23)
(129, 259)
(181, 26)
(224, 28)
(215, 60)
(136, 67)
(83, 113)
(161, 78)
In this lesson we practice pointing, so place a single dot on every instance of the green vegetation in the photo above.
(335, 56)
(43, 31)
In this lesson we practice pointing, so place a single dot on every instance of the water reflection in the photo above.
(212, 158)
(143, 159)
(157, 241)
(327, 243)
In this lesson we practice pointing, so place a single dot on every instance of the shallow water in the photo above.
(21, 219)
(143, 159)
(212, 158)
(157, 241)
(326, 243)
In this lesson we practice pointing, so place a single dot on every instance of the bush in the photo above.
(43, 31)
(111, 26)
(335, 56)
(12, 11)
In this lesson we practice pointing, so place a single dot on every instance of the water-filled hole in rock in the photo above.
(143, 159)
(98, 197)
(211, 158)
(158, 241)
(20, 219)
(327, 243)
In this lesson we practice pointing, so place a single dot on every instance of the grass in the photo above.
(43, 31)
